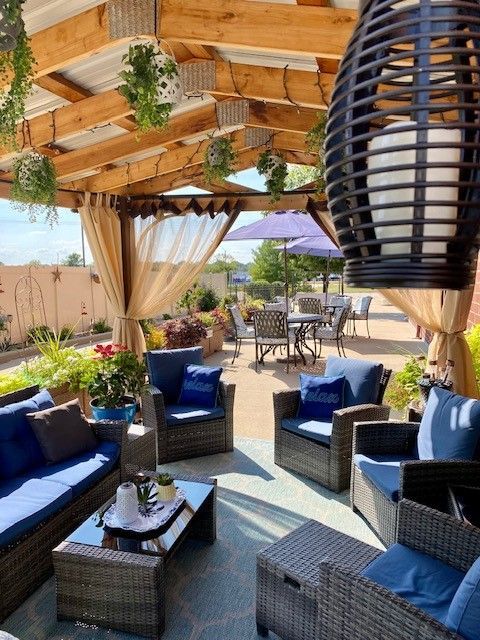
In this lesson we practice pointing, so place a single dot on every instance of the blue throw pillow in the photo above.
(450, 427)
(200, 386)
(19, 448)
(166, 366)
(362, 379)
(464, 612)
(320, 396)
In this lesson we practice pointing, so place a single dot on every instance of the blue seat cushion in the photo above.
(383, 471)
(166, 366)
(313, 429)
(425, 582)
(320, 396)
(464, 612)
(450, 427)
(32, 502)
(177, 414)
(83, 471)
(200, 386)
(19, 448)
(362, 379)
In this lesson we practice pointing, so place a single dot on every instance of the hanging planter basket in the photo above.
(219, 160)
(152, 85)
(11, 24)
(273, 167)
(403, 145)
(34, 187)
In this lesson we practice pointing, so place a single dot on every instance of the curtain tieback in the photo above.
(451, 333)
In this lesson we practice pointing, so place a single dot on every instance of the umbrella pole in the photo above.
(327, 277)
(285, 264)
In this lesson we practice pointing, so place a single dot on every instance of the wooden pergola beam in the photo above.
(281, 117)
(282, 86)
(282, 28)
(246, 201)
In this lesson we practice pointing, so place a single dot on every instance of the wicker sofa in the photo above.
(26, 559)
(327, 464)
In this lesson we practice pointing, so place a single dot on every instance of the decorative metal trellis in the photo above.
(5, 329)
(29, 305)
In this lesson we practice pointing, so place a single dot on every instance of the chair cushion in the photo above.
(320, 396)
(450, 427)
(313, 429)
(29, 505)
(464, 612)
(62, 431)
(200, 386)
(362, 379)
(19, 448)
(83, 471)
(176, 415)
(425, 582)
(383, 471)
(166, 366)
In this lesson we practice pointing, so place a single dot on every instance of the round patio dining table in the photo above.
(301, 323)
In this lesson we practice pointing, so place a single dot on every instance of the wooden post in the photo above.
(126, 231)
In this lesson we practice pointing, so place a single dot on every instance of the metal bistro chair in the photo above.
(360, 312)
(271, 331)
(334, 332)
(309, 305)
(274, 306)
(240, 329)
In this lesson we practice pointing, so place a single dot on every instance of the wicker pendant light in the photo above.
(403, 145)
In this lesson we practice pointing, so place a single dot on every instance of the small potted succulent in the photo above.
(166, 489)
(273, 167)
(117, 384)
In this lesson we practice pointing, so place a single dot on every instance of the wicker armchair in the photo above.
(424, 481)
(188, 437)
(352, 606)
(329, 465)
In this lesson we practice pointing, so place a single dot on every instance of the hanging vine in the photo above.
(273, 167)
(220, 158)
(34, 187)
(16, 69)
(152, 85)
(315, 141)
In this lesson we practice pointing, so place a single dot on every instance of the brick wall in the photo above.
(474, 317)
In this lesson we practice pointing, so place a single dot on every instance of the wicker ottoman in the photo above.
(288, 577)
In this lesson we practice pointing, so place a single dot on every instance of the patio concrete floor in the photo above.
(393, 337)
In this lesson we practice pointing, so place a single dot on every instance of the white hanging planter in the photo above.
(214, 153)
(169, 89)
(9, 31)
(273, 162)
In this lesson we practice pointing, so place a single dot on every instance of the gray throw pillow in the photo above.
(62, 432)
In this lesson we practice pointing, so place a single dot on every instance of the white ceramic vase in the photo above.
(127, 503)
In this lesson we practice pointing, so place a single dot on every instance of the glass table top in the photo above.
(92, 533)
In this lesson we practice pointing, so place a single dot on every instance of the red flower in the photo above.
(108, 350)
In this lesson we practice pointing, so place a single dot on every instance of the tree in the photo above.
(224, 263)
(34, 263)
(73, 260)
(298, 175)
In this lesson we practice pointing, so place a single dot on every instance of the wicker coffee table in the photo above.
(120, 583)
(288, 573)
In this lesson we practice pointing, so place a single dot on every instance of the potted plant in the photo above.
(34, 186)
(152, 85)
(315, 141)
(181, 333)
(166, 489)
(273, 166)
(219, 159)
(117, 384)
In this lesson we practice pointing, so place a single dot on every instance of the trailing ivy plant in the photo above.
(219, 160)
(16, 69)
(152, 85)
(34, 186)
(273, 167)
(315, 141)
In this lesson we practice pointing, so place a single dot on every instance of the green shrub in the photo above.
(473, 340)
(155, 339)
(13, 381)
(147, 325)
(167, 316)
(227, 301)
(403, 386)
(207, 299)
(41, 333)
(101, 326)
(67, 366)
(66, 332)
(205, 318)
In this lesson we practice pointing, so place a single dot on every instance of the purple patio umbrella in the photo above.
(280, 225)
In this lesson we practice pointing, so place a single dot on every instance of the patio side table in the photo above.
(288, 577)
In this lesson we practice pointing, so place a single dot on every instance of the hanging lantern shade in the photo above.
(403, 145)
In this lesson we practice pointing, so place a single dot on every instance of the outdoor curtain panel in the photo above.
(166, 253)
(445, 314)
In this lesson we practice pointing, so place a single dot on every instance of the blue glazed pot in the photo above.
(127, 412)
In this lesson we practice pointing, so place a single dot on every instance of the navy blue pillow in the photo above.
(450, 427)
(166, 366)
(320, 396)
(200, 386)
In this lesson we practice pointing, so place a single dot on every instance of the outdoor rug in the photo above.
(211, 588)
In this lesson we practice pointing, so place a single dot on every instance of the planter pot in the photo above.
(166, 493)
(126, 413)
(64, 394)
(218, 335)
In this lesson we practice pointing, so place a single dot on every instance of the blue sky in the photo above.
(22, 241)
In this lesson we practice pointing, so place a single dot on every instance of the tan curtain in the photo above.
(167, 254)
(445, 314)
